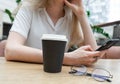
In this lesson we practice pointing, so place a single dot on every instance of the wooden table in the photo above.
(26, 73)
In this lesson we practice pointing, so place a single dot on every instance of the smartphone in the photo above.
(108, 44)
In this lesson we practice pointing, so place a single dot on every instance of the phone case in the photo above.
(108, 44)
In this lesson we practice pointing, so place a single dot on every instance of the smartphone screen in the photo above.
(108, 44)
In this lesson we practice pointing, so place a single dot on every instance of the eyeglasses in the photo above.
(98, 73)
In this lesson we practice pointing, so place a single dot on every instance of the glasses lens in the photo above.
(80, 70)
(100, 75)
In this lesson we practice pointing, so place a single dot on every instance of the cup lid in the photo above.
(54, 37)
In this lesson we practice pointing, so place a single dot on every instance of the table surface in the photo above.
(27, 73)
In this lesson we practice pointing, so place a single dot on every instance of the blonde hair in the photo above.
(76, 36)
(76, 33)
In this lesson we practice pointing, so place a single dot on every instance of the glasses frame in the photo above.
(74, 71)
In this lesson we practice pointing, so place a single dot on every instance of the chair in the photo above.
(6, 28)
(2, 47)
(116, 29)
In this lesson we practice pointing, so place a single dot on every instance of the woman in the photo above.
(55, 17)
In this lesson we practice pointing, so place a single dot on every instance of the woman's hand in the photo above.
(76, 6)
(84, 56)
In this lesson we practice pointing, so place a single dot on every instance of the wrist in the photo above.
(81, 13)
(68, 60)
(82, 16)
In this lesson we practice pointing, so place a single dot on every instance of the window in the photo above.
(114, 10)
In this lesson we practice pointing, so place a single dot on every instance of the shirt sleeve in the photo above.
(22, 21)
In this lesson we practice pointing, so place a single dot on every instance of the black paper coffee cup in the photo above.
(53, 52)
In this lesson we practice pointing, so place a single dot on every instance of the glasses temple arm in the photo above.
(100, 76)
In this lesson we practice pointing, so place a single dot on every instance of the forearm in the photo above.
(87, 32)
(27, 54)
(24, 53)
(112, 53)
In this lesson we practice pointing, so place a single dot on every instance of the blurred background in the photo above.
(99, 13)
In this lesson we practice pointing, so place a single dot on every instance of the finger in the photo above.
(95, 59)
(95, 54)
(87, 48)
(92, 61)
(68, 3)
(103, 54)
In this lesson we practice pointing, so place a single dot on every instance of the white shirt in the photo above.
(32, 24)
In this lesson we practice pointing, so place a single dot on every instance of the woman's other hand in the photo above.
(76, 6)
